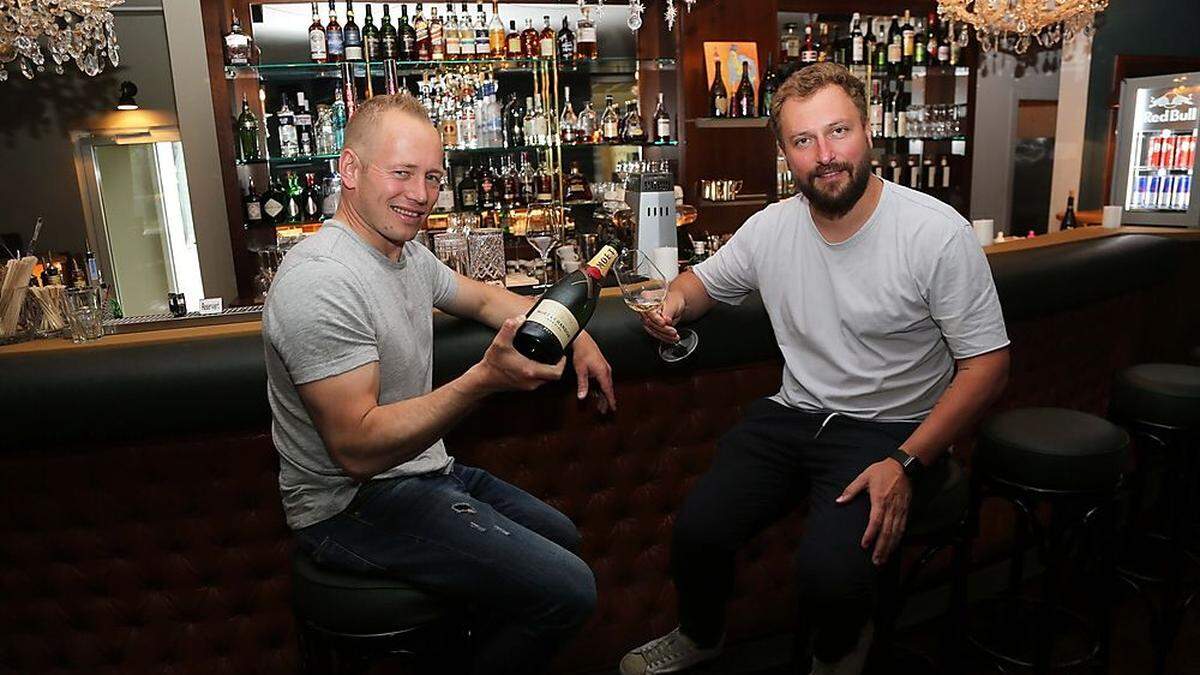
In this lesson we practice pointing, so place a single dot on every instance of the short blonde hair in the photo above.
(367, 116)
(809, 80)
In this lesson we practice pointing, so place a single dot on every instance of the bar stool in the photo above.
(1069, 463)
(348, 621)
(1159, 403)
(941, 523)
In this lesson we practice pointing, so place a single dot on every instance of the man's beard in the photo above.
(838, 203)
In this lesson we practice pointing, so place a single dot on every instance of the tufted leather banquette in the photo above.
(142, 531)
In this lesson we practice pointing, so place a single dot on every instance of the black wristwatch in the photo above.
(913, 467)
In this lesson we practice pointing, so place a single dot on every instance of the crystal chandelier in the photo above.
(1047, 21)
(79, 30)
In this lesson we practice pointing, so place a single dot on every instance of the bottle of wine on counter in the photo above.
(1069, 221)
(563, 310)
(718, 96)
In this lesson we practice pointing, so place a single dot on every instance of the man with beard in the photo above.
(366, 482)
(893, 345)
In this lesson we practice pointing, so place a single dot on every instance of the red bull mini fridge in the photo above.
(1154, 177)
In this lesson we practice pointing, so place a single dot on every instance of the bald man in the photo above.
(366, 482)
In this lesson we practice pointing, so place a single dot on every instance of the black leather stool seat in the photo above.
(1166, 394)
(356, 604)
(1053, 449)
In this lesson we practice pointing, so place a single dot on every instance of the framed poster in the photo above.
(731, 55)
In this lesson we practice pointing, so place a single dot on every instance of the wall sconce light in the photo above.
(126, 101)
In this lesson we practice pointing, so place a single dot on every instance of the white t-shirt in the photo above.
(869, 327)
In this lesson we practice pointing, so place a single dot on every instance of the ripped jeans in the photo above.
(477, 540)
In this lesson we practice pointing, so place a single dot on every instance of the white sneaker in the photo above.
(670, 653)
(852, 663)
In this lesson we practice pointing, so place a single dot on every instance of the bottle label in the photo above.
(333, 40)
(353, 53)
(253, 210)
(469, 198)
(272, 208)
(316, 43)
(587, 34)
(547, 47)
(664, 129)
(556, 318)
(857, 55)
(604, 259)
(514, 46)
(610, 129)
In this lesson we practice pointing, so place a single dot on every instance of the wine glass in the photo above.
(644, 289)
(542, 235)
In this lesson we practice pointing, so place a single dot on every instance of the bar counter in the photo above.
(139, 477)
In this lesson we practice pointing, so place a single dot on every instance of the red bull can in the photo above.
(1141, 192)
(1155, 157)
(1153, 186)
(1166, 192)
(1182, 196)
(1167, 156)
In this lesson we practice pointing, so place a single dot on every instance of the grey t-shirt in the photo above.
(869, 327)
(336, 304)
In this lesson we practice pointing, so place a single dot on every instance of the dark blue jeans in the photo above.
(477, 540)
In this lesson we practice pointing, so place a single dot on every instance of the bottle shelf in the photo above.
(565, 146)
(626, 144)
(730, 122)
(959, 137)
(277, 161)
(1156, 169)
(309, 69)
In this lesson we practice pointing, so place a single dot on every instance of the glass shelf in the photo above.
(275, 161)
(622, 144)
(308, 69)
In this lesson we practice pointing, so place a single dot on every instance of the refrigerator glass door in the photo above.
(1162, 153)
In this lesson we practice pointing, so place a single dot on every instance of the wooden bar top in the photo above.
(254, 325)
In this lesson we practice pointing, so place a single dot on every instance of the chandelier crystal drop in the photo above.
(70, 30)
(1018, 23)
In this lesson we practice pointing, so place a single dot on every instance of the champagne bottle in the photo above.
(718, 97)
(563, 310)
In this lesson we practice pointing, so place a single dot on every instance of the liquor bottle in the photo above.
(609, 122)
(870, 42)
(437, 36)
(577, 186)
(766, 92)
(448, 126)
(563, 310)
(880, 64)
(822, 44)
(585, 46)
(876, 108)
(635, 128)
(335, 45)
(589, 125)
(914, 172)
(92, 267)
(528, 176)
(514, 125)
(352, 36)
(483, 42)
(372, 46)
(466, 34)
(1069, 221)
(453, 45)
(388, 35)
(662, 122)
(497, 37)
(898, 109)
(930, 173)
(304, 126)
(273, 200)
(944, 169)
(545, 184)
(567, 121)
(253, 207)
(510, 182)
(566, 42)
(895, 47)
(312, 199)
(407, 45)
(889, 116)
(718, 97)
(487, 185)
(513, 40)
(955, 48)
(931, 39)
(529, 40)
(907, 39)
(247, 134)
(743, 97)
(468, 190)
(541, 124)
(289, 140)
(547, 39)
(316, 37)
(943, 49)
(790, 43)
(294, 205)
(238, 45)
(920, 53)
(808, 52)
(424, 46)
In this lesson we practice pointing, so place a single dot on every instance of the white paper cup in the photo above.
(1111, 217)
(985, 230)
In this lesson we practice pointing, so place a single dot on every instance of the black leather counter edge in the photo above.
(219, 384)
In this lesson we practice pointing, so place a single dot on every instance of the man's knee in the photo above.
(830, 575)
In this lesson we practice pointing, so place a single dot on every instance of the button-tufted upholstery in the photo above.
(160, 546)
